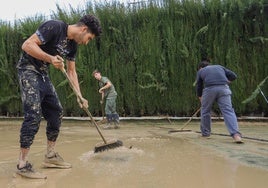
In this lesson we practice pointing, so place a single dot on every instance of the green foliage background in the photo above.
(150, 52)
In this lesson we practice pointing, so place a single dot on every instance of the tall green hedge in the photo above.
(150, 51)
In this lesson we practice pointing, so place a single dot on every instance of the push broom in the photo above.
(185, 124)
(100, 146)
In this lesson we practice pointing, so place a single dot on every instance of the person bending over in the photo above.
(52, 41)
(109, 93)
(213, 86)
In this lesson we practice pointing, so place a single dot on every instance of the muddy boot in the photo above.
(116, 120)
(109, 121)
(237, 139)
(54, 160)
(28, 172)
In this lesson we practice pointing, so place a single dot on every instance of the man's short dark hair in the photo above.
(203, 64)
(92, 23)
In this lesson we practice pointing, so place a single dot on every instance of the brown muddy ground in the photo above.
(156, 159)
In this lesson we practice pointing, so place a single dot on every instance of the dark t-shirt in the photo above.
(53, 35)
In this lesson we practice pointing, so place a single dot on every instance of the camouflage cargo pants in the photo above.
(39, 98)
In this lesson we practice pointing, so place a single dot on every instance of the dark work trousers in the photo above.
(38, 98)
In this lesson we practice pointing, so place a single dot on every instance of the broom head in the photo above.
(178, 130)
(109, 145)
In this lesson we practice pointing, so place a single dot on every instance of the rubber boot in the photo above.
(116, 120)
(109, 118)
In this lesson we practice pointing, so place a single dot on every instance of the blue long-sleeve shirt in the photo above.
(212, 75)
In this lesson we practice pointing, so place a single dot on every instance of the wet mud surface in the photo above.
(149, 157)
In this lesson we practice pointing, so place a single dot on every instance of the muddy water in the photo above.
(150, 157)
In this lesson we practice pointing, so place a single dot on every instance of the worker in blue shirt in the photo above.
(212, 85)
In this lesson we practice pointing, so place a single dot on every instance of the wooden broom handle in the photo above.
(81, 100)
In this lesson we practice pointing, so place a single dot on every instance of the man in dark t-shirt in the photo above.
(52, 41)
(213, 86)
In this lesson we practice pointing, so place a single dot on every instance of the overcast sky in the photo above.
(20, 9)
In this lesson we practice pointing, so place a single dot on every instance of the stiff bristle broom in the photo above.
(111, 144)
